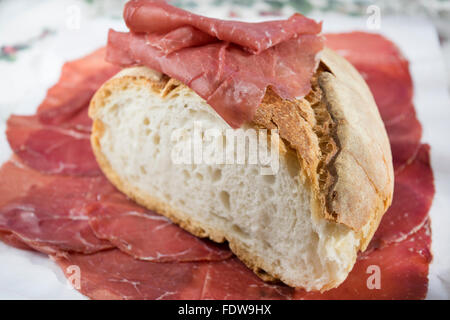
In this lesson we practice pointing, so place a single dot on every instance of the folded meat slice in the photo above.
(158, 17)
(146, 235)
(51, 149)
(230, 64)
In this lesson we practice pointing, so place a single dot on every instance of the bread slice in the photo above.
(302, 225)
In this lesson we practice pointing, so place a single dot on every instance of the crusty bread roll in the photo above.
(303, 225)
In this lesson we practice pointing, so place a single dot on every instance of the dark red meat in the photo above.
(143, 16)
(146, 235)
(112, 274)
(66, 102)
(413, 194)
(230, 64)
(51, 149)
(44, 211)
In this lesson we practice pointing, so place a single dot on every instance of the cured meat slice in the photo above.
(413, 194)
(51, 149)
(13, 240)
(386, 72)
(78, 82)
(146, 235)
(231, 80)
(42, 210)
(232, 280)
(402, 267)
(230, 64)
(143, 16)
(404, 135)
(112, 274)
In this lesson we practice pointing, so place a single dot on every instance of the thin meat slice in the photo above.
(404, 136)
(228, 63)
(51, 149)
(13, 240)
(112, 274)
(386, 72)
(231, 80)
(402, 267)
(72, 93)
(413, 195)
(143, 16)
(146, 235)
(232, 280)
(42, 210)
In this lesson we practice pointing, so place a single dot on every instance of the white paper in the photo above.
(23, 83)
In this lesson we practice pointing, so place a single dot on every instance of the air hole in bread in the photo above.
(167, 196)
(113, 109)
(238, 230)
(199, 176)
(156, 139)
(216, 175)
(143, 170)
(186, 174)
(225, 199)
(146, 121)
(269, 179)
(292, 164)
(270, 193)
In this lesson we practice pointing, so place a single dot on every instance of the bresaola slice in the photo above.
(232, 280)
(230, 64)
(51, 149)
(56, 139)
(44, 214)
(158, 17)
(413, 194)
(148, 236)
(67, 101)
(404, 135)
(112, 274)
